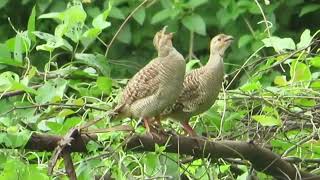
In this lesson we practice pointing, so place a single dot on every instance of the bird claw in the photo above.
(157, 137)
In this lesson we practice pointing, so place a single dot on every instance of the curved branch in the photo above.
(262, 159)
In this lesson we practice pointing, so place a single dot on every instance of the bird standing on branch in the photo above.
(201, 86)
(157, 85)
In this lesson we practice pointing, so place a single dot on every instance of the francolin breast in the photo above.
(201, 86)
(157, 85)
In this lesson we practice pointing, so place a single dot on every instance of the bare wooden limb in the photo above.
(262, 159)
(69, 165)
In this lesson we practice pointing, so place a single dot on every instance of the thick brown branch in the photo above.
(262, 159)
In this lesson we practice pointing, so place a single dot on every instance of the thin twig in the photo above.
(123, 24)
(191, 45)
(264, 18)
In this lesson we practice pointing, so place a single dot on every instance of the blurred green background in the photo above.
(205, 18)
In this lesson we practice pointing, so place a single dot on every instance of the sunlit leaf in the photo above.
(52, 15)
(279, 44)
(104, 84)
(280, 80)
(315, 84)
(250, 86)
(315, 61)
(305, 102)
(89, 36)
(267, 120)
(300, 72)
(305, 39)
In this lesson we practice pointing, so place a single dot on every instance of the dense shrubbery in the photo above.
(58, 60)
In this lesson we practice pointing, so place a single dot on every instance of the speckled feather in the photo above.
(200, 89)
(201, 86)
(157, 85)
(143, 84)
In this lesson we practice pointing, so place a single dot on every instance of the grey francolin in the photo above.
(157, 85)
(201, 86)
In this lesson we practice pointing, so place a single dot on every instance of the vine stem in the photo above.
(122, 25)
(264, 18)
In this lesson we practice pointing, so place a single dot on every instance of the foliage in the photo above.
(55, 52)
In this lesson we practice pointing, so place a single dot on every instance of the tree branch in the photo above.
(262, 159)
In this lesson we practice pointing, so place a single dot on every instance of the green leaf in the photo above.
(224, 168)
(100, 22)
(125, 34)
(54, 15)
(32, 24)
(3, 3)
(89, 36)
(11, 81)
(244, 40)
(305, 39)
(104, 84)
(51, 91)
(72, 21)
(315, 62)
(195, 23)
(191, 63)
(300, 72)
(161, 16)
(70, 123)
(267, 120)
(99, 62)
(116, 13)
(12, 62)
(4, 51)
(5, 57)
(140, 15)
(52, 42)
(18, 48)
(251, 86)
(22, 44)
(196, 3)
(151, 162)
(305, 102)
(15, 139)
(279, 44)
(65, 112)
(308, 9)
(280, 80)
(315, 84)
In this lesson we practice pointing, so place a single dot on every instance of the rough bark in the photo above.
(262, 159)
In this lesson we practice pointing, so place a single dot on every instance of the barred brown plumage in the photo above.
(201, 86)
(157, 85)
